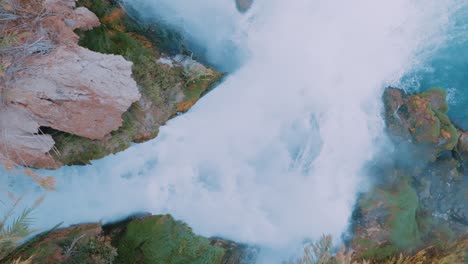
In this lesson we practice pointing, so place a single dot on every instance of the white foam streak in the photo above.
(275, 153)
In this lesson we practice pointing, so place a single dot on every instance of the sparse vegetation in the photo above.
(97, 250)
(18, 38)
(321, 253)
(317, 253)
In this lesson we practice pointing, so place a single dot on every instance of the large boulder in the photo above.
(51, 82)
(420, 119)
(76, 91)
(418, 196)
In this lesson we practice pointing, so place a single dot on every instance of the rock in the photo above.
(385, 221)
(444, 198)
(236, 253)
(57, 84)
(20, 142)
(462, 150)
(168, 86)
(420, 119)
(406, 210)
(244, 5)
(76, 91)
(80, 17)
(139, 239)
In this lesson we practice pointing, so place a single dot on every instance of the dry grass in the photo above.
(21, 34)
(21, 37)
(321, 253)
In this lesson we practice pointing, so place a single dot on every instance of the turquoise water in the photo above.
(448, 68)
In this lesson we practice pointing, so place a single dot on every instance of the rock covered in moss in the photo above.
(386, 221)
(421, 119)
(50, 81)
(168, 85)
(419, 197)
(141, 239)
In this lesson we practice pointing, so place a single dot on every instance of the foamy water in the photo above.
(275, 153)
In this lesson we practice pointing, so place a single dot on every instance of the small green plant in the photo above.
(13, 231)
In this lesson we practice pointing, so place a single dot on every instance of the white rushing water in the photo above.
(276, 152)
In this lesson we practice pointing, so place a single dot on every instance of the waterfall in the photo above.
(275, 153)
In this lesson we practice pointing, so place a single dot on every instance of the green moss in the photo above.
(156, 79)
(158, 83)
(452, 140)
(380, 253)
(98, 7)
(152, 78)
(76, 150)
(402, 225)
(404, 203)
(194, 89)
(161, 239)
(435, 231)
(92, 251)
(440, 96)
(364, 243)
(430, 123)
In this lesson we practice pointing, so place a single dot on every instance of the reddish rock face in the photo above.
(420, 119)
(63, 86)
(76, 91)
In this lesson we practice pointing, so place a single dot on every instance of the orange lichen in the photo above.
(115, 16)
(184, 106)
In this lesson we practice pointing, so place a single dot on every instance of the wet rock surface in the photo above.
(420, 191)
(420, 120)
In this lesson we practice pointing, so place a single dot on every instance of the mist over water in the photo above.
(275, 153)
